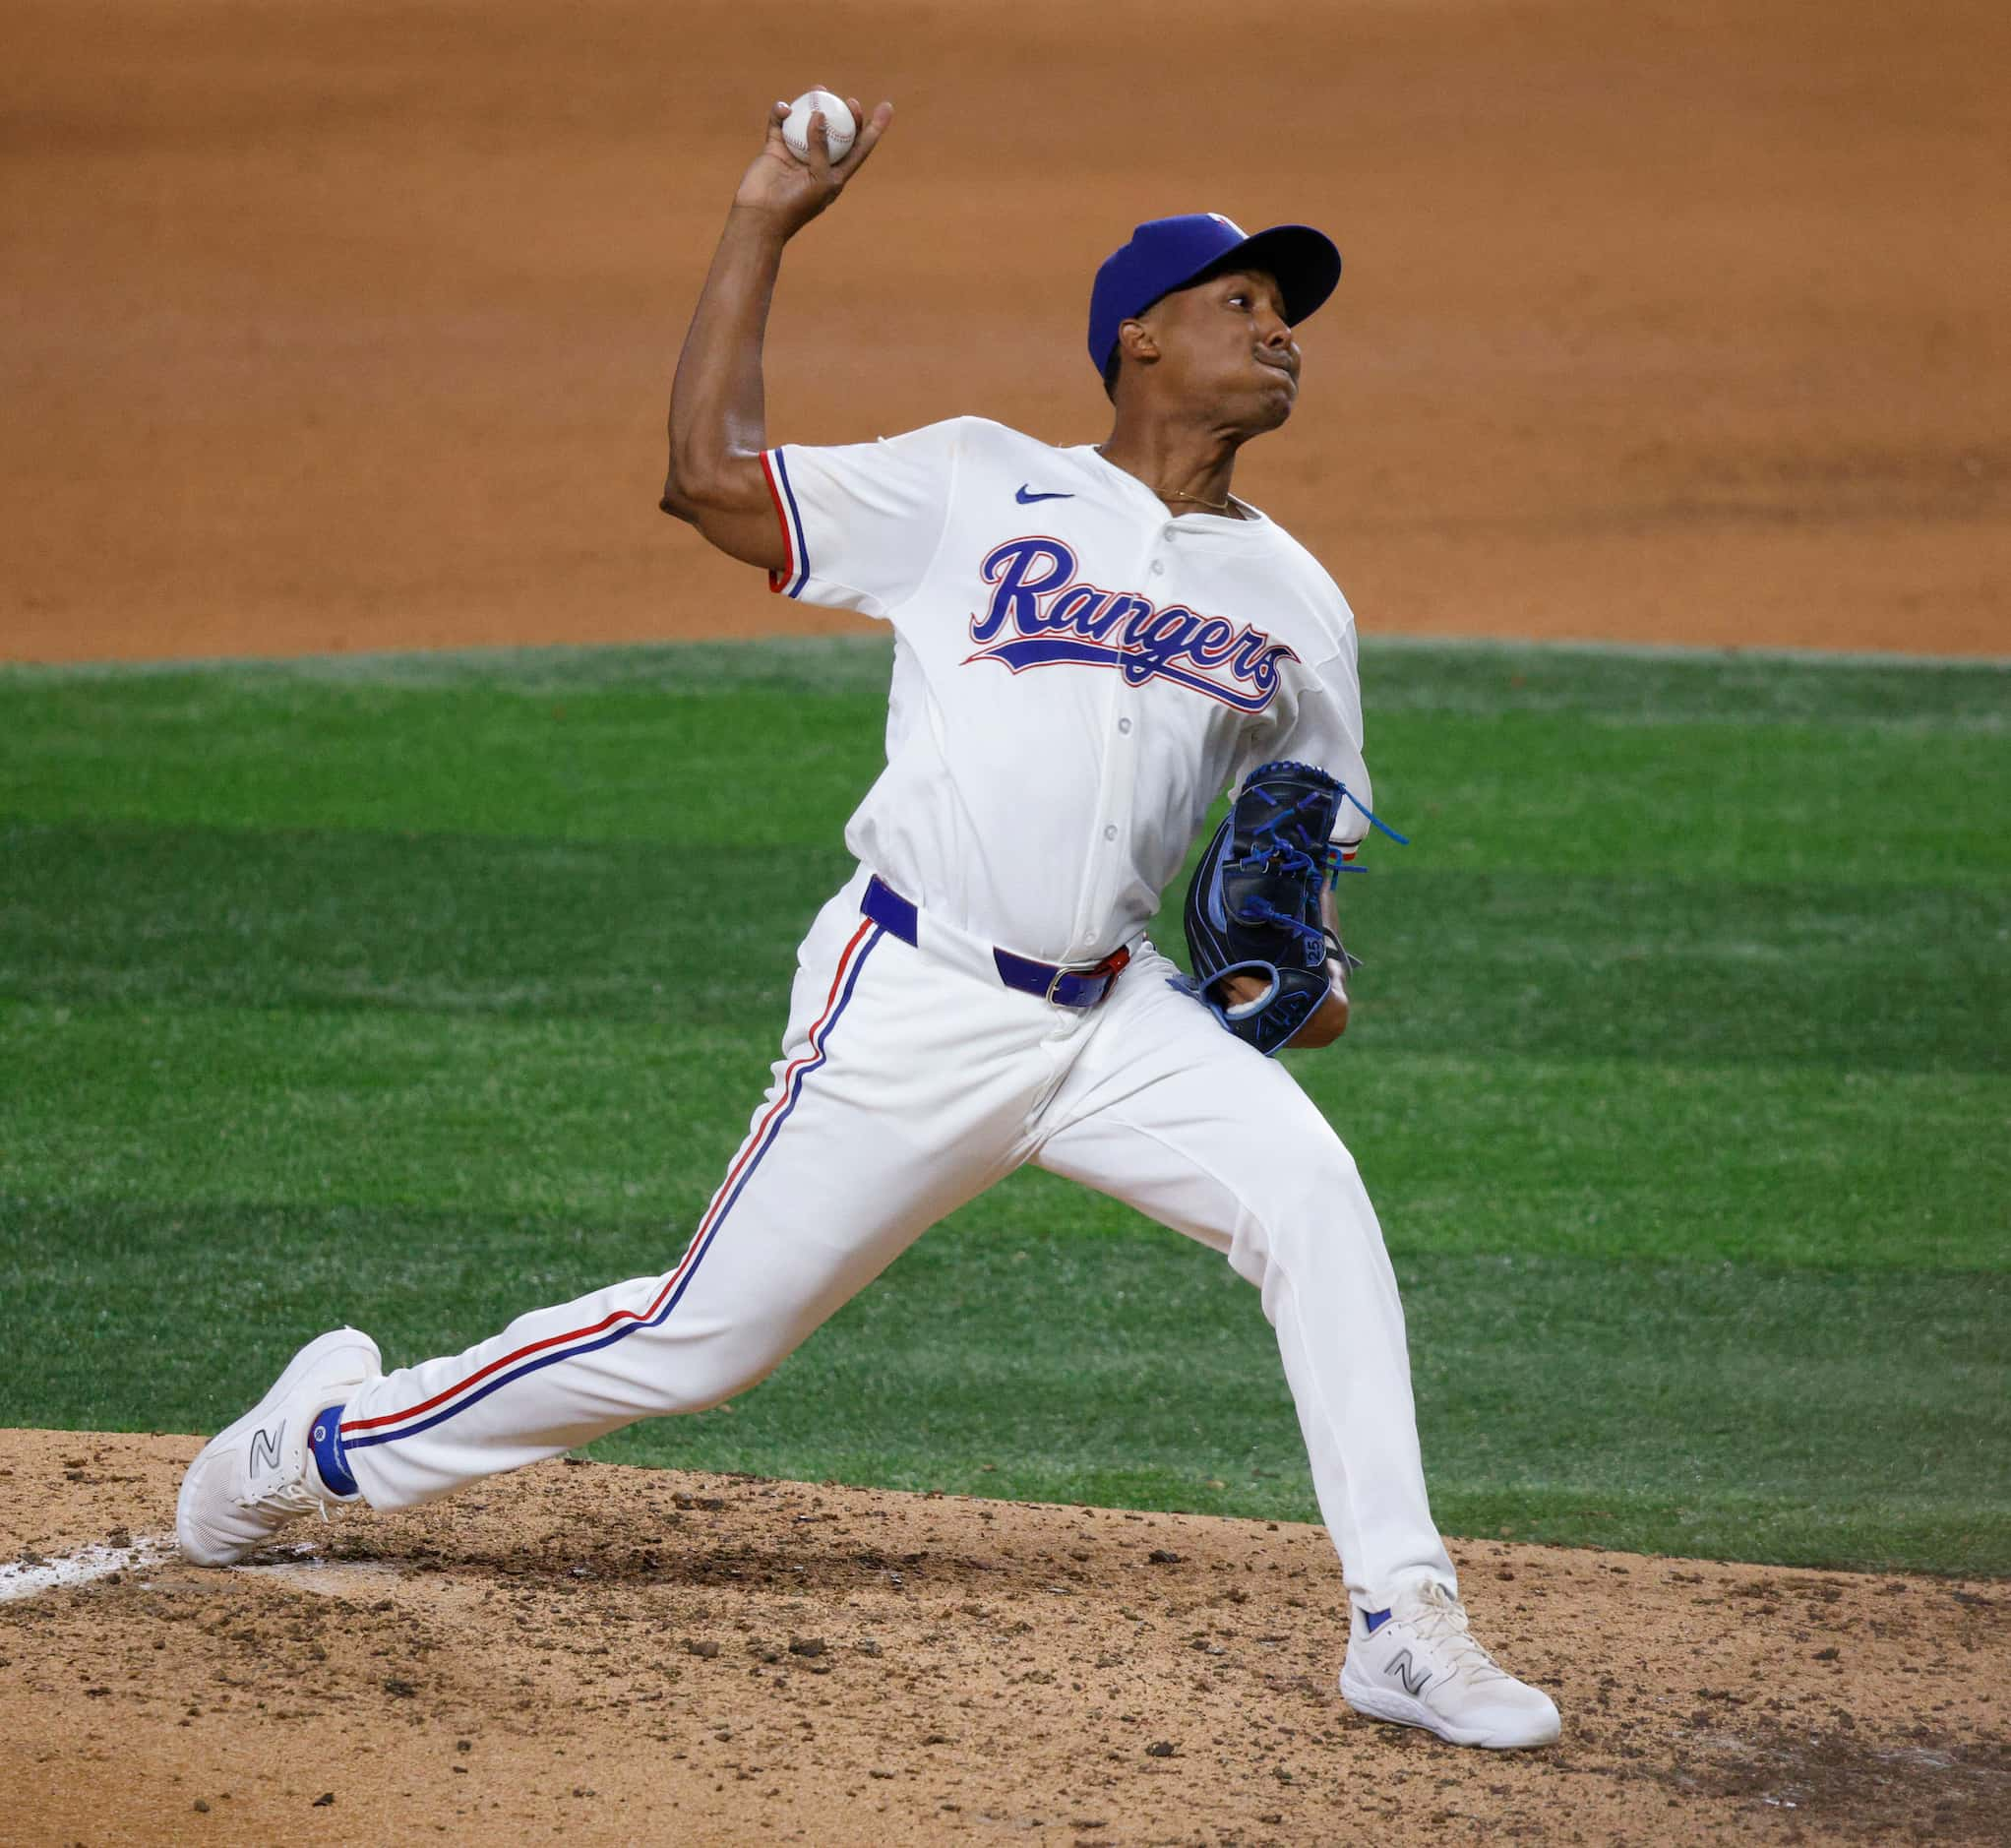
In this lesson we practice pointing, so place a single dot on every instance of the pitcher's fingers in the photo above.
(819, 148)
(778, 113)
(870, 133)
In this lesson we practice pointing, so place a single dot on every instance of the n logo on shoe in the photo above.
(264, 1448)
(1401, 1666)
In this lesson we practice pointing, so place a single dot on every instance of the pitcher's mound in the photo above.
(627, 1655)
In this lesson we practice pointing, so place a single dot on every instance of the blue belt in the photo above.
(1066, 988)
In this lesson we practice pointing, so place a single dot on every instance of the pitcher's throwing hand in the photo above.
(794, 191)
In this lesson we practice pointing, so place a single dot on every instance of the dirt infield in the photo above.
(350, 325)
(621, 1655)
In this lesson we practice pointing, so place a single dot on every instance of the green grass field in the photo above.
(419, 990)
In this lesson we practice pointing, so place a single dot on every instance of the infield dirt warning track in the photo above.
(350, 326)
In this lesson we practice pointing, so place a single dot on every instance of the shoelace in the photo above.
(1440, 1618)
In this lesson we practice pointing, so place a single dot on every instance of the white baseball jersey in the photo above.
(1077, 673)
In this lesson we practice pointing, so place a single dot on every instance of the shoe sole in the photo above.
(1378, 1704)
(298, 1370)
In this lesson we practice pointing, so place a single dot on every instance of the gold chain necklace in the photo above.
(1174, 494)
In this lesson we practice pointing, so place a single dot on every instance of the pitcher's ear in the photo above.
(1136, 340)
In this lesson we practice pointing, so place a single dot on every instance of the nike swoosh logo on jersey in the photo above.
(1026, 497)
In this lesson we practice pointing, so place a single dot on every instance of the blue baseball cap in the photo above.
(1166, 254)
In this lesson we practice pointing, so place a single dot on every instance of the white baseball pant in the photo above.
(911, 1080)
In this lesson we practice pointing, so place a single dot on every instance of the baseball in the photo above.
(838, 127)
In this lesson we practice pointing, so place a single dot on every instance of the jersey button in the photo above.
(1111, 832)
(1123, 724)
(1158, 568)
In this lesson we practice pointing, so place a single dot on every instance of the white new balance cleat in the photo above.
(253, 1478)
(1416, 1664)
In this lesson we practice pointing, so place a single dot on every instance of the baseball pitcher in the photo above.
(1089, 644)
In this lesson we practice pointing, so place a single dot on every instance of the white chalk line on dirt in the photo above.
(28, 1578)
(325, 1578)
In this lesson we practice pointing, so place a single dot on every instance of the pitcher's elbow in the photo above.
(678, 500)
(691, 490)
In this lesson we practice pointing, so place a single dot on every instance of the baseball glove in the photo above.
(1254, 906)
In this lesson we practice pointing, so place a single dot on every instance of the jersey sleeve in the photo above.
(863, 522)
(1323, 727)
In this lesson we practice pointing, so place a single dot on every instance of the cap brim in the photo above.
(1304, 261)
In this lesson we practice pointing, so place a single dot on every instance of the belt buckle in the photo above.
(1109, 969)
